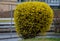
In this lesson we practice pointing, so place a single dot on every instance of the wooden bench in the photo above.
(6, 26)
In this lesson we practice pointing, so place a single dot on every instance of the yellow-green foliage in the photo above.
(32, 18)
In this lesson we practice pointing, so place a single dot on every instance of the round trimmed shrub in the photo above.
(32, 18)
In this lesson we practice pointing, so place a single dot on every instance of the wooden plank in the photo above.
(7, 29)
(6, 18)
(7, 26)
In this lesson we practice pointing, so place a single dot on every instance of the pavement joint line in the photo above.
(8, 38)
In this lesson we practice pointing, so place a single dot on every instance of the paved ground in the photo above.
(7, 35)
(14, 37)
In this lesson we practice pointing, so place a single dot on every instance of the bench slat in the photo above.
(7, 26)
